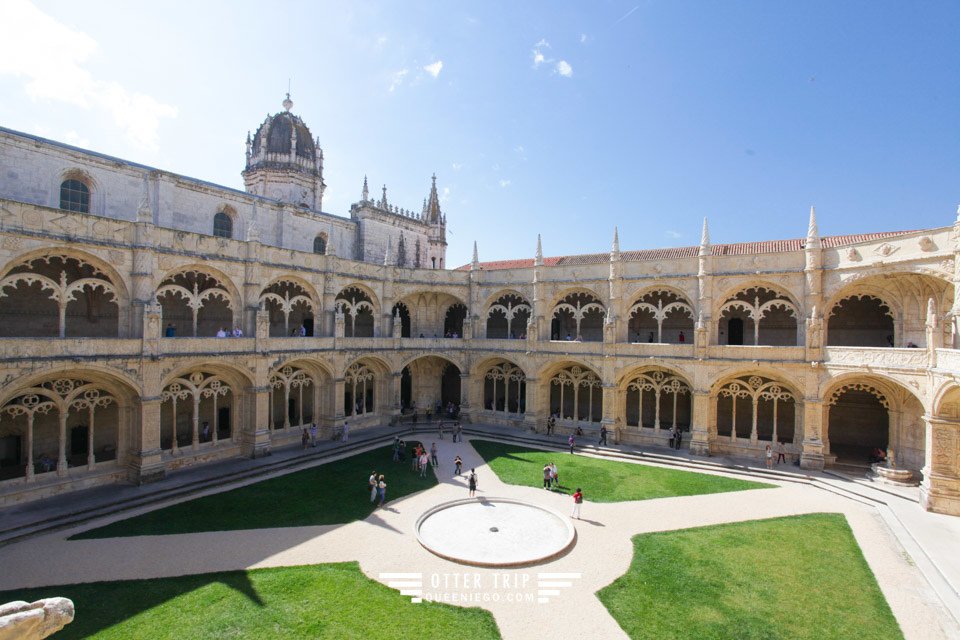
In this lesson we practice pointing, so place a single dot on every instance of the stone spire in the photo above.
(433, 203)
(705, 239)
(383, 201)
(401, 252)
(287, 103)
(813, 236)
(931, 313)
(475, 263)
(253, 230)
(958, 215)
(615, 249)
(365, 194)
(144, 208)
(388, 256)
(538, 258)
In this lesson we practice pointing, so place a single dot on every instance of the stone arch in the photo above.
(574, 391)
(507, 315)
(430, 311)
(906, 294)
(62, 293)
(759, 314)
(300, 394)
(431, 382)
(293, 305)
(503, 387)
(579, 315)
(867, 412)
(202, 405)
(365, 389)
(752, 408)
(358, 306)
(55, 420)
(198, 300)
(656, 397)
(861, 320)
(660, 314)
(82, 175)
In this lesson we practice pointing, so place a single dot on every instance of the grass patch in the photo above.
(331, 493)
(314, 601)
(602, 480)
(800, 577)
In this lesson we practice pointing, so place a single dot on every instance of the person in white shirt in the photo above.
(221, 333)
(237, 332)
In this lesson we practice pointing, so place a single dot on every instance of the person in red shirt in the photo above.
(577, 501)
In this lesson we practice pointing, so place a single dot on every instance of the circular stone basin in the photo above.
(494, 532)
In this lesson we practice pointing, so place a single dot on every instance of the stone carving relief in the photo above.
(885, 249)
(853, 255)
(926, 244)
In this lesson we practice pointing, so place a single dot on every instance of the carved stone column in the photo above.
(940, 488)
(145, 461)
(813, 426)
(254, 430)
(699, 423)
(533, 417)
(465, 397)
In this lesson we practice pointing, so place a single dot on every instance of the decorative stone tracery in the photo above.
(657, 385)
(569, 387)
(194, 388)
(756, 391)
(504, 388)
(207, 299)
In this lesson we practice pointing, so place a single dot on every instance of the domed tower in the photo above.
(284, 162)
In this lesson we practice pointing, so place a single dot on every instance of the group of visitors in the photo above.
(551, 478)
(676, 437)
(298, 332)
(224, 332)
(309, 436)
(781, 454)
(377, 487)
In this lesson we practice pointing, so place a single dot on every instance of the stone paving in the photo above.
(384, 543)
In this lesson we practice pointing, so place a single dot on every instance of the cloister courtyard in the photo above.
(668, 545)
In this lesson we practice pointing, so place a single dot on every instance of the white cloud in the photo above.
(434, 68)
(50, 57)
(583, 38)
(538, 57)
(542, 44)
(380, 43)
(504, 183)
(445, 194)
(564, 69)
(673, 235)
(397, 78)
(456, 166)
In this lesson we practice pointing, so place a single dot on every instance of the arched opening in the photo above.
(858, 423)
(756, 408)
(357, 309)
(58, 296)
(401, 314)
(657, 399)
(661, 316)
(760, 316)
(508, 317)
(359, 390)
(223, 225)
(860, 321)
(295, 398)
(576, 395)
(75, 195)
(505, 388)
(290, 307)
(453, 321)
(320, 244)
(195, 304)
(58, 424)
(434, 385)
(579, 316)
(196, 408)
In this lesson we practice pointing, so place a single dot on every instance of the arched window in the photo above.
(222, 225)
(320, 244)
(75, 196)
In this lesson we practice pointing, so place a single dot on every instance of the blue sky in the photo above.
(559, 118)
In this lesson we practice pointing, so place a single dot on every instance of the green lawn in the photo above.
(801, 577)
(314, 601)
(332, 493)
(602, 480)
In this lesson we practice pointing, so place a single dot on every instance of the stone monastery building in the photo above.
(115, 279)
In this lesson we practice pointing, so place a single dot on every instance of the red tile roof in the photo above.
(737, 249)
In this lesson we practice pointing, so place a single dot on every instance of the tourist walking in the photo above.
(415, 458)
(554, 475)
(677, 438)
(472, 482)
(458, 432)
(603, 435)
(781, 453)
(396, 448)
(457, 465)
(372, 485)
(577, 502)
(382, 490)
(769, 456)
(346, 431)
(572, 442)
(433, 455)
(304, 438)
(547, 476)
(440, 428)
(313, 434)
